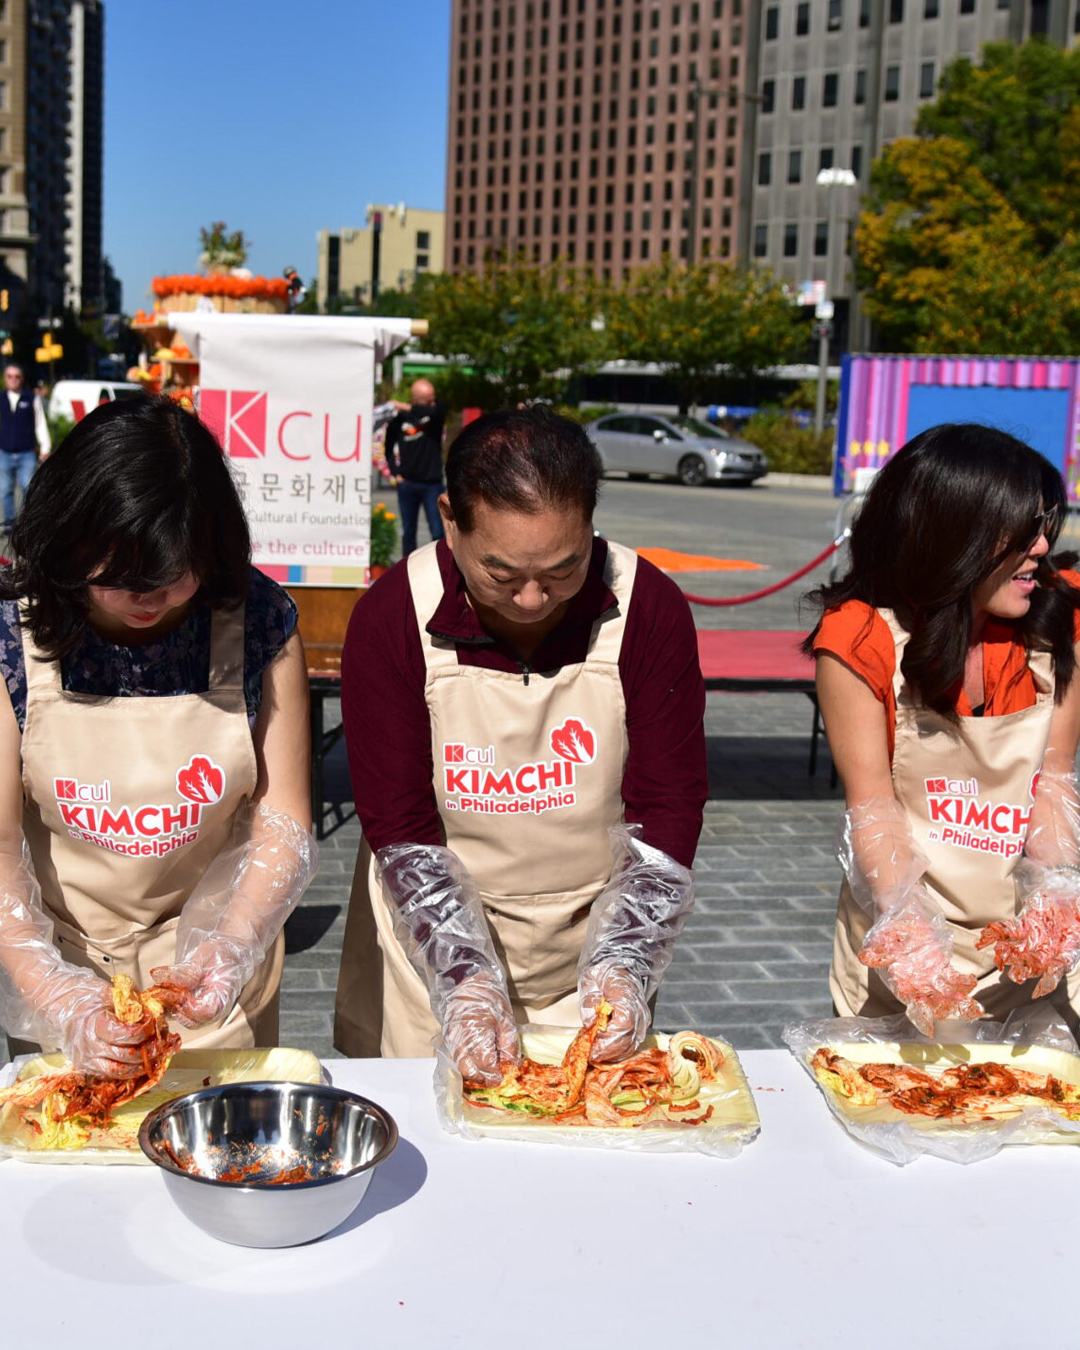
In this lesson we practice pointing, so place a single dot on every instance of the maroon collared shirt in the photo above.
(388, 728)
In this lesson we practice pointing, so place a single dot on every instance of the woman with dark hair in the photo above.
(153, 745)
(517, 698)
(946, 663)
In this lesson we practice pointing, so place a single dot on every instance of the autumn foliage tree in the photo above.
(691, 320)
(969, 240)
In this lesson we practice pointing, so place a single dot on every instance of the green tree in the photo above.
(513, 332)
(1018, 112)
(968, 239)
(690, 320)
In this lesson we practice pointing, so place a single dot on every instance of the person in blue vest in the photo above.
(24, 439)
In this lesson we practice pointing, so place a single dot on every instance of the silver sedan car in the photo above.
(677, 446)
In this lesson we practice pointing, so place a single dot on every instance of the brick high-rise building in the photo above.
(592, 130)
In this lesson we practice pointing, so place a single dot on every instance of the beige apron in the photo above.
(127, 802)
(967, 789)
(528, 779)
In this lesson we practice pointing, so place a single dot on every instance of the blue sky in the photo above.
(279, 118)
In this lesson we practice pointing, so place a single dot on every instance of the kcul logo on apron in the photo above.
(149, 830)
(473, 781)
(960, 817)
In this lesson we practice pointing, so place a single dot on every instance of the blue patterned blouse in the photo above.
(178, 664)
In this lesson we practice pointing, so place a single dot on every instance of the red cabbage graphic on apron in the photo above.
(201, 781)
(574, 741)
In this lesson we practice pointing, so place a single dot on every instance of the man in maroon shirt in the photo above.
(512, 696)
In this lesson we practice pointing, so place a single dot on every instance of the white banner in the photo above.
(290, 398)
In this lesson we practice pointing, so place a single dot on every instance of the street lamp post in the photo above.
(833, 179)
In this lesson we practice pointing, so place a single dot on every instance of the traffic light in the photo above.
(5, 299)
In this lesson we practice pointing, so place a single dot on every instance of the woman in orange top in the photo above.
(946, 659)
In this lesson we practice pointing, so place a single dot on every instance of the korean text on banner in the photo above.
(290, 399)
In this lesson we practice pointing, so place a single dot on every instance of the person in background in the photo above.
(24, 439)
(523, 708)
(154, 751)
(414, 455)
(947, 677)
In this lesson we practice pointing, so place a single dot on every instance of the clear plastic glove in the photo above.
(439, 921)
(230, 921)
(911, 944)
(629, 940)
(880, 859)
(479, 1029)
(630, 1016)
(1053, 837)
(1043, 941)
(45, 999)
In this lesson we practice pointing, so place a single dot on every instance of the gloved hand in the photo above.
(231, 919)
(79, 1004)
(45, 999)
(629, 940)
(439, 921)
(1043, 941)
(911, 945)
(629, 1019)
(479, 1029)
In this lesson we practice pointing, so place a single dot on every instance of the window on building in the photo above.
(892, 84)
(802, 18)
(798, 92)
(967, 6)
(768, 94)
(829, 88)
(931, 9)
(926, 80)
(825, 158)
(761, 240)
(835, 17)
(856, 160)
(794, 166)
(864, 13)
(423, 239)
(791, 239)
(896, 11)
(860, 86)
(772, 22)
(821, 239)
(764, 169)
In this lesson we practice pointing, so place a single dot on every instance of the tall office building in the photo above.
(51, 72)
(836, 81)
(593, 130)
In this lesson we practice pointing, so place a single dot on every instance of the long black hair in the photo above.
(137, 495)
(522, 459)
(939, 518)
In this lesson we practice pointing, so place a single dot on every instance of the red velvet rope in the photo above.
(776, 586)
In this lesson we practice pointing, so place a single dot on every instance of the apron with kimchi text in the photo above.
(528, 779)
(967, 789)
(127, 802)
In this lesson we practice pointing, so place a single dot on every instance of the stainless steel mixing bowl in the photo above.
(268, 1164)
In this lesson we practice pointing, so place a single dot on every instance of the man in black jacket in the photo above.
(414, 453)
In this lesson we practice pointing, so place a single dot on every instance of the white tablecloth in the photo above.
(804, 1240)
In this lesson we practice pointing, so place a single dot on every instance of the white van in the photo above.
(73, 399)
